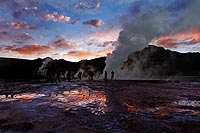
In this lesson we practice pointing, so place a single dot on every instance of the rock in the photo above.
(70, 113)
(19, 127)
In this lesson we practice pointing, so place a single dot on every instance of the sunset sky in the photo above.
(80, 29)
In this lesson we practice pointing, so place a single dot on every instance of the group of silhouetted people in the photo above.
(90, 73)
(106, 75)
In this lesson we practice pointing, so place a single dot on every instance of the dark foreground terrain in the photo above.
(118, 107)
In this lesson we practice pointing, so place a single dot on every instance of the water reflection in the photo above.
(24, 97)
(193, 103)
(65, 96)
(95, 101)
(183, 106)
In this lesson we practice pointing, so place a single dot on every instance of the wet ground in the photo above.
(117, 106)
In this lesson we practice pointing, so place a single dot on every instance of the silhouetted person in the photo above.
(58, 77)
(80, 75)
(112, 75)
(12, 95)
(91, 75)
(68, 76)
(105, 76)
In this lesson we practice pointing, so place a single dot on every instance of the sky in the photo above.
(82, 29)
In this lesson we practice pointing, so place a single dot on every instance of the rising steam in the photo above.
(154, 19)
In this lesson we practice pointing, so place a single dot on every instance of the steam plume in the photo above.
(150, 19)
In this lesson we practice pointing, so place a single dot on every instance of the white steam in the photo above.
(43, 69)
(142, 29)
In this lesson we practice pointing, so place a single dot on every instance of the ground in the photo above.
(96, 106)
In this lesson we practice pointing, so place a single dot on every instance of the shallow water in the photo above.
(66, 96)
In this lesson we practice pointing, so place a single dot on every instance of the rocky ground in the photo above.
(117, 106)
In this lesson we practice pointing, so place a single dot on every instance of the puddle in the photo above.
(24, 97)
(95, 101)
(63, 96)
(193, 103)
(189, 106)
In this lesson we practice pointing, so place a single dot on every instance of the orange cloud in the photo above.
(56, 18)
(166, 42)
(31, 49)
(104, 53)
(188, 38)
(21, 25)
(94, 23)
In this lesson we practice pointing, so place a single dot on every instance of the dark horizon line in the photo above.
(51, 58)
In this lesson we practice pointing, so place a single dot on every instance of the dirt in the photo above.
(87, 107)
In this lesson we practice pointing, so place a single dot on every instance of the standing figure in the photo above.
(91, 75)
(68, 76)
(105, 76)
(112, 75)
(58, 77)
(80, 75)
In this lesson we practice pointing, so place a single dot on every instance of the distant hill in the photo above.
(11, 68)
(157, 61)
(152, 61)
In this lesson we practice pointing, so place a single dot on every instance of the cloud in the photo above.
(94, 23)
(21, 37)
(21, 25)
(107, 34)
(4, 35)
(55, 54)
(79, 55)
(62, 43)
(75, 22)
(15, 37)
(1, 49)
(187, 38)
(56, 18)
(104, 52)
(22, 10)
(88, 5)
(113, 43)
(30, 49)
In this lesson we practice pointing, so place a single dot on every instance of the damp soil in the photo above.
(113, 107)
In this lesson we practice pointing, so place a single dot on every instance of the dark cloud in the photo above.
(15, 37)
(94, 23)
(23, 11)
(113, 43)
(4, 35)
(21, 38)
(88, 5)
(75, 22)
(62, 43)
